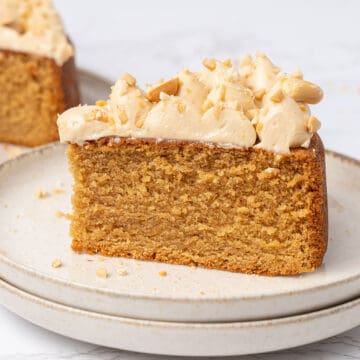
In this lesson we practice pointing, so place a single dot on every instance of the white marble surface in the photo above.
(154, 39)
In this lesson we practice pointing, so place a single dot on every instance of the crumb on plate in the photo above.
(122, 272)
(58, 191)
(41, 194)
(57, 263)
(102, 273)
(60, 214)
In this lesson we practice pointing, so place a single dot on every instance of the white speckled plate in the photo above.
(174, 338)
(32, 236)
(92, 86)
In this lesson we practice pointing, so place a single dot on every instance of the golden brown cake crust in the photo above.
(35, 90)
(241, 210)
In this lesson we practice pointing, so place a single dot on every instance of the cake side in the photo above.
(35, 90)
(242, 210)
(220, 168)
(34, 27)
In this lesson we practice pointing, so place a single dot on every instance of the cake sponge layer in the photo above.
(242, 210)
(34, 91)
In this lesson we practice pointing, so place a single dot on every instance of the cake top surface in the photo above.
(33, 26)
(253, 104)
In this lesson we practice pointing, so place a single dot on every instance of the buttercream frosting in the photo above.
(254, 105)
(33, 26)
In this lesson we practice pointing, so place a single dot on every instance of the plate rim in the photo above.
(85, 72)
(150, 330)
(157, 297)
(330, 310)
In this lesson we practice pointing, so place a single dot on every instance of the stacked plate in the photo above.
(189, 311)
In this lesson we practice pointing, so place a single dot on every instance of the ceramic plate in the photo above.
(190, 339)
(93, 87)
(33, 232)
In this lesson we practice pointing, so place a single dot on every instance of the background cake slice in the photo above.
(37, 72)
(220, 168)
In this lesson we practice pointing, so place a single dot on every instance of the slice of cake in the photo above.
(37, 72)
(220, 168)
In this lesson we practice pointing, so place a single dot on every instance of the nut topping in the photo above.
(313, 124)
(209, 63)
(129, 79)
(303, 91)
(169, 87)
(277, 96)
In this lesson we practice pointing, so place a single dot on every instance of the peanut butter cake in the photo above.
(220, 168)
(37, 72)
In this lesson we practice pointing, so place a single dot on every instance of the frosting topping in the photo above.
(254, 105)
(33, 26)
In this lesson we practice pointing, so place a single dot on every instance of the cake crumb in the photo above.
(60, 214)
(41, 194)
(6, 206)
(102, 273)
(122, 272)
(202, 293)
(163, 273)
(57, 263)
(58, 191)
(2, 252)
(101, 259)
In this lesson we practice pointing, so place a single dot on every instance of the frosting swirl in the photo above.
(254, 105)
(33, 26)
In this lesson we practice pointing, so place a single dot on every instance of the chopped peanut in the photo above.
(169, 87)
(278, 96)
(123, 116)
(217, 111)
(209, 63)
(303, 91)
(129, 79)
(259, 94)
(302, 107)
(101, 103)
(313, 124)
(227, 62)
